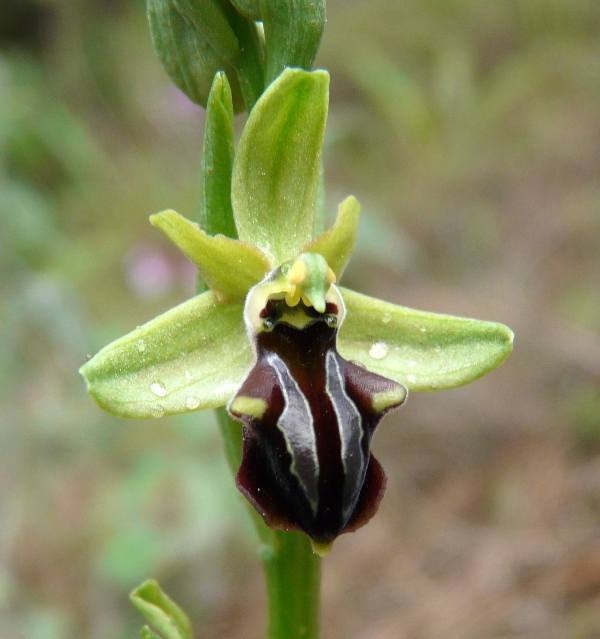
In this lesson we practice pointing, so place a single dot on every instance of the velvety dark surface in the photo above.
(266, 477)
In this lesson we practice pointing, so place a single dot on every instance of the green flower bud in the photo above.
(194, 41)
(293, 30)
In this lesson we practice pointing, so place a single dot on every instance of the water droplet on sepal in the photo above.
(158, 410)
(379, 350)
(191, 402)
(158, 389)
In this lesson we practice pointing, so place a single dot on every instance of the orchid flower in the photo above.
(308, 366)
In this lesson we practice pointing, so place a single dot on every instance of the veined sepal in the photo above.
(421, 350)
(189, 358)
(277, 164)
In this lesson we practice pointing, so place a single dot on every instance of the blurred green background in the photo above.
(470, 132)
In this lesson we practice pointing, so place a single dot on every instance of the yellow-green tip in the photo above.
(311, 278)
(321, 548)
(242, 406)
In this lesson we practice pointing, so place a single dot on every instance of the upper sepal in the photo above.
(190, 358)
(423, 351)
(277, 164)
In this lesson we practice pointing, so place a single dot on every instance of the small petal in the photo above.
(423, 351)
(277, 163)
(336, 244)
(229, 267)
(190, 358)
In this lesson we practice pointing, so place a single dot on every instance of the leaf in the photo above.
(190, 358)
(229, 267)
(216, 214)
(423, 351)
(336, 244)
(276, 167)
(293, 30)
(161, 611)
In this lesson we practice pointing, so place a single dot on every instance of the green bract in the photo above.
(161, 611)
(196, 355)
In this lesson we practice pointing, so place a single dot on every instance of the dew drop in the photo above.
(423, 329)
(411, 378)
(141, 345)
(188, 375)
(386, 317)
(158, 410)
(412, 364)
(158, 389)
(437, 348)
(379, 350)
(191, 402)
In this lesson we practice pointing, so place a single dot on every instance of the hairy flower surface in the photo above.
(307, 366)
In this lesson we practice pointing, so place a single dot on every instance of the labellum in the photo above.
(309, 415)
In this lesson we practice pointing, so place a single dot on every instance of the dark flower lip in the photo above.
(306, 462)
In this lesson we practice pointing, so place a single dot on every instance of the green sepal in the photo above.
(161, 611)
(293, 31)
(423, 351)
(188, 55)
(229, 267)
(189, 358)
(216, 213)
(277, 163)
(336, 244)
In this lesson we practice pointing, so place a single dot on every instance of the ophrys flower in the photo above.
(272, 313)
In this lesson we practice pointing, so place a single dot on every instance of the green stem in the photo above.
(293, 575)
